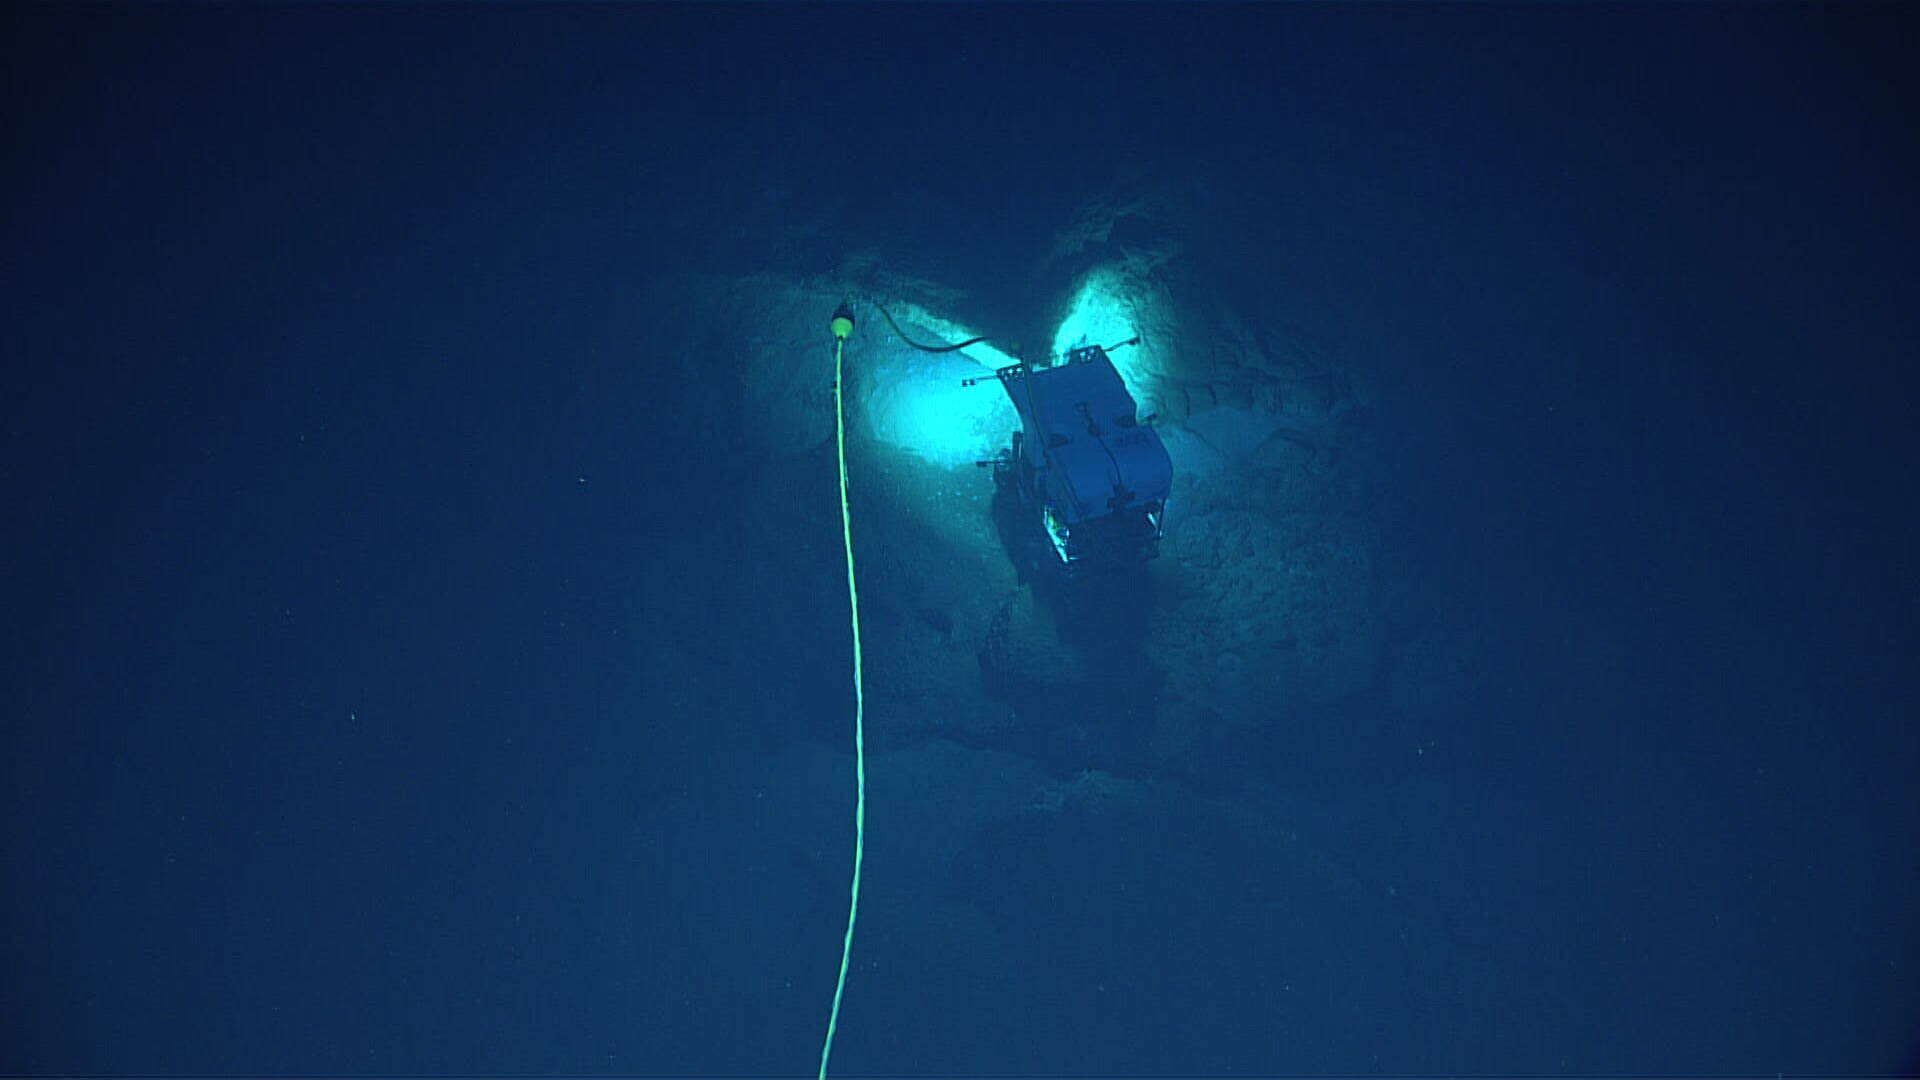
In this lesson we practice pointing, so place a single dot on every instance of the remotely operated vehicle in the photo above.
(1086, 469)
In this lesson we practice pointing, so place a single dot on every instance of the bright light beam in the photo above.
(918, 404)
(1101, 314)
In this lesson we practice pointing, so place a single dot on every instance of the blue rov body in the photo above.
(1089, 473)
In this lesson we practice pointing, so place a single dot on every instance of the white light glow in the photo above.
(918, 404)
(1099, 315)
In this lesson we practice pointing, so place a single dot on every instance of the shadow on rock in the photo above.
(1068, 657)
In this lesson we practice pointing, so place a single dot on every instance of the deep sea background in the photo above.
(377, 700)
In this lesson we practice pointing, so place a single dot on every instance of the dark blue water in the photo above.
(405, 675)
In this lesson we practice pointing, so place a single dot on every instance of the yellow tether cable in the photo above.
(842, 326)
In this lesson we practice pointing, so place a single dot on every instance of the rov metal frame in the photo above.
(1073, 556)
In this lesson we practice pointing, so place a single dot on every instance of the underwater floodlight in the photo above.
(987, 356)
(919, 405)
(920, 401)
(1101, 314)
